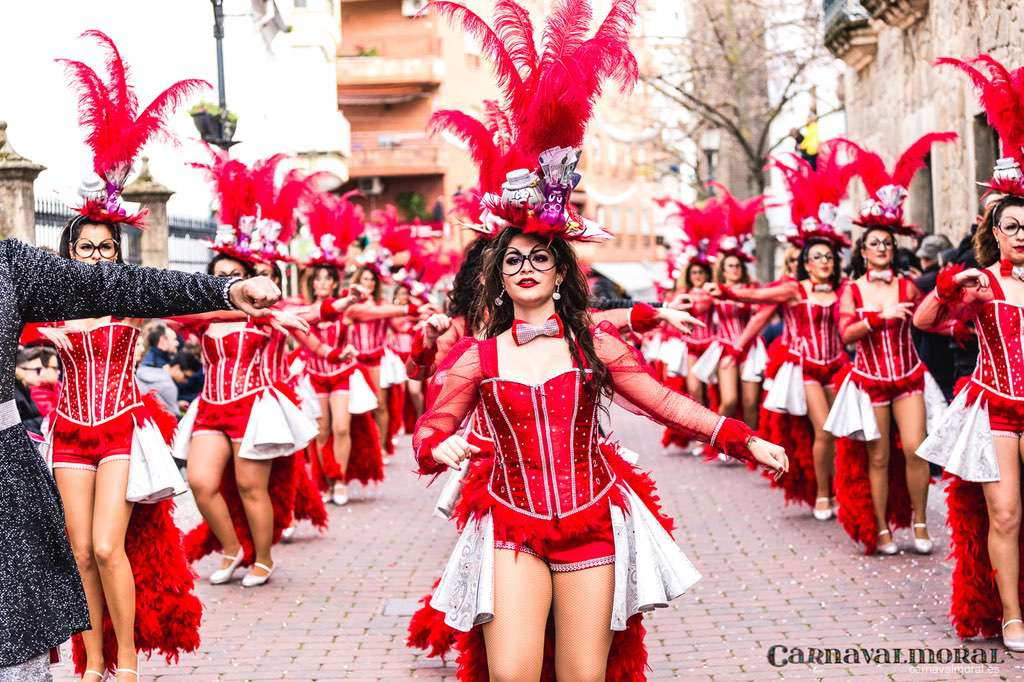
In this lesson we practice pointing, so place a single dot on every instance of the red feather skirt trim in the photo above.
(308, 505)
(167, 611)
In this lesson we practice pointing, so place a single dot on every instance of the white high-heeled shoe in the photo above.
(822, 514)
(890, 547)
(1012, 644)
(225, 575)
(339, 495)
(98, 674)
(251, 580)
(922, 545)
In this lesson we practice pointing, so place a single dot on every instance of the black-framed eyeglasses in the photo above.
(540, 259)
(38, 370)
(1010, 229)
(879, 244)
(106, 248)
(818, 257)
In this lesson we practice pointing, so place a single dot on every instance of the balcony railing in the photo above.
(391, 59)
(899, 13)
(390, 154)
(849, 34)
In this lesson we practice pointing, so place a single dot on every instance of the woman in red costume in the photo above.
(736, 371)
(810, 354)
(104, 435)
(548, 549)
(978, 441)
(887, 388)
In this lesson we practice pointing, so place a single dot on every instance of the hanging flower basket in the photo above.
(214, 126)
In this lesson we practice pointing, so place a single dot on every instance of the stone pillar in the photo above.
(152, 196)
(17, 197)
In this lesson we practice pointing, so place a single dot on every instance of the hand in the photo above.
(57, 337)
(437, 324)
(771, 456)
(283, 321)
(713, 289)
(254, 296)
(453, 450)
(428, 310)
(681, 302)
(972, 278)
(309, 313)
(897, 311)
(677, 319)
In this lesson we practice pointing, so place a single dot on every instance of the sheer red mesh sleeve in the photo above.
(776, 293)
(452, 393)
(854, 325)
(639, 391)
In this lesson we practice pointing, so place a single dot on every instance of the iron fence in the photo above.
(53, 214)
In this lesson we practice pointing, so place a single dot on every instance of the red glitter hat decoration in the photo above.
(889, 190)
(234, 186)
(1002, 96)
(737, 238)
(702, 227)
(528, 157)
(116, 130)
(334, 222)
(815, 194)
(276, 206)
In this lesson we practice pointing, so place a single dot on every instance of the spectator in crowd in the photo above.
(161, 345)
(28, 370)
(934, 349)
(193, 384)
(47, 390)
(164, 380)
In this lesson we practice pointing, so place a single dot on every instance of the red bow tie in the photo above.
(523, 332)
(880, 276)
(1008, 269)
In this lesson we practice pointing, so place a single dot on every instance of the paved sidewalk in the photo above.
(338, 605)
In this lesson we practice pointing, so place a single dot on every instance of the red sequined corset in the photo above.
(234, 364)
(704, 310)
(731, 319)
(813, 329)
(333, 335)
(547, 462)
(887, 353)
(368, 338)
(99, 374)
(274, 358)
(1000, 327)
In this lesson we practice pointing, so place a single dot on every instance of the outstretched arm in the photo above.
(758, 321)
(781, 293)
(365, 312)
(957, 296)
(48, 288)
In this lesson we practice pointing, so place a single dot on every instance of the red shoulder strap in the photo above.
(858, 300)
(803, 290)
(488, 349)
(995, 285)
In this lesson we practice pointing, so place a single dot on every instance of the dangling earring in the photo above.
(498, 300)
(557, 296)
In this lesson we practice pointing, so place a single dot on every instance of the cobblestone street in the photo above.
(338, 605)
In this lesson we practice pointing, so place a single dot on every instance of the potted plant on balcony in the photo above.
(364, 51)
(214, 125)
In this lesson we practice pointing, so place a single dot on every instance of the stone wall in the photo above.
(900, 96)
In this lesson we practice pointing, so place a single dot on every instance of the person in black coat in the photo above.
(42, 602)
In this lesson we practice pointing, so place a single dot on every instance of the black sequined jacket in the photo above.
(41, 597)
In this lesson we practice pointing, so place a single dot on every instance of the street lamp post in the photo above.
(218, 35)
(217, 129)
(710, 143)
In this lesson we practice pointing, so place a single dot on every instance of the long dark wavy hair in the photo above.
(463, 299)
(572, 307)
(73, 229)
(688, 282)
(857, 264)
(247, 267)
(314, 271)
(986, 248)
(720, 269)
(375, 295)
(801, 264)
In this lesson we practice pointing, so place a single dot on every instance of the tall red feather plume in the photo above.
(115, 130)
(740, 214)
(1002, 96)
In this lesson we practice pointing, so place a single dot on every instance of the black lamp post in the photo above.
(217, 129)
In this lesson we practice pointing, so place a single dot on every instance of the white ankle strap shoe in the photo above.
(251, 580)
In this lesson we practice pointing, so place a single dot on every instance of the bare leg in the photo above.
(728, 387)
(111, 515)
(340, 423)
(77, 491)
(694, 386)
(583, 611)
(208, 454)
(909, 414)
(323, 423)
(253, 478)
(1002, 498)
(751, 402)
(415, 393)
(819, 401)
(522, 600)
(878, 467)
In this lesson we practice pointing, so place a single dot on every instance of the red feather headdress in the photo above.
(276, 207)
(1002, 96)
(702, 229)
(548, 100)
(815, 194)
(736, 239)
(116, 131)
(234, 185)
(889, 190)
(334, 222)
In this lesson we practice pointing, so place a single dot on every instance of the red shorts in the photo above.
(325, 386)
(572, 553)
(76, 446)
(229, 419)
(824, 374)
(884, 393)
(371, 359)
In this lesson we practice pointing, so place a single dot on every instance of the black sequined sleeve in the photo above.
(48, 287)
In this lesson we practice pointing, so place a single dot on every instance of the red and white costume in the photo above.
(329, 376)
(552, 489)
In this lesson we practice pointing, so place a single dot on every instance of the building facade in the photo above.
(894, 94)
